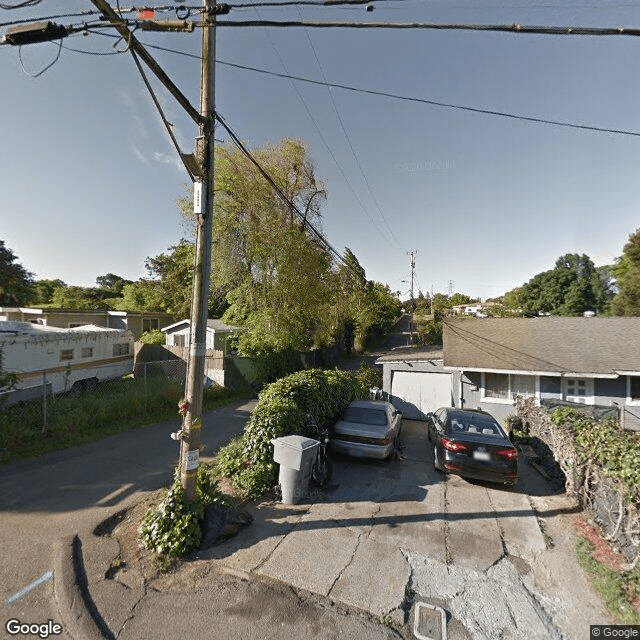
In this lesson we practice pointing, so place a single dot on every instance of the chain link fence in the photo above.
(91, 406)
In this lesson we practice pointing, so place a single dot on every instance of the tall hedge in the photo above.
(281, 410)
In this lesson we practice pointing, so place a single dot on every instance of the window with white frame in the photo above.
(504, 387)
(579, 390)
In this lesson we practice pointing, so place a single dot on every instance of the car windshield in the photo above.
(366, 416)
(472, 423)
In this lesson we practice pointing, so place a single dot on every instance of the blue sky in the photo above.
(89, 178)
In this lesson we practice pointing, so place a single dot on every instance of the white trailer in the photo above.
(61, 359)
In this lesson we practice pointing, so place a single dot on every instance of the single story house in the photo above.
(218, 334)
(487, 362)
(137, 323)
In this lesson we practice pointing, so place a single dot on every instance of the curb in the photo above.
(79, 615)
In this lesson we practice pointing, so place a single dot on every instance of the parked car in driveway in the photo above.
(368, 429)
(472, 444)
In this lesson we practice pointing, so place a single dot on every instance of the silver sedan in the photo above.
(368, 429)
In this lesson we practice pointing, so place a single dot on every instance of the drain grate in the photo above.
(430, 623)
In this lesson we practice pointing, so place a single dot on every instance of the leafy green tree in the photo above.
(16, 283)
(77, 298)
(112, 283)
(572, 287)
(172, 276)
(626, 272)
(44, 290)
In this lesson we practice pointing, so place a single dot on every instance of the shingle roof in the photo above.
(576, 345)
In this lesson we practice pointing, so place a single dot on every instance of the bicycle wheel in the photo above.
(321, 471)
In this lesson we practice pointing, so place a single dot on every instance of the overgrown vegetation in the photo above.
(155, 336)
(281, 410)
(174, 526)
(617, 452)
(116, 405)
(619, 590)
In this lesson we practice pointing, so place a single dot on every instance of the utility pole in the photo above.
(413, 268)
(203, 210)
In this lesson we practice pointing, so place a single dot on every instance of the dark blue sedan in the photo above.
(470, 443)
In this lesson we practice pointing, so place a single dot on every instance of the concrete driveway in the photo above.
(387, 533)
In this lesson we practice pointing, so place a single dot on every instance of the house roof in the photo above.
(599, 345)
(212, 325)
(412, 354)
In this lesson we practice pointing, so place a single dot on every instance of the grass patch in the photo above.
(619, 590)
(115, 406)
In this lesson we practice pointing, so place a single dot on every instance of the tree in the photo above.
(572, 287)
(171, 283)
(44, 289)
(626, 272)
(15, 281)
(78, 298)
(112, 283)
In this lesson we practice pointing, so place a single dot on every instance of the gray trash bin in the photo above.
(295, 455)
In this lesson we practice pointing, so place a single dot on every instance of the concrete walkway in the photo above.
(382, 537)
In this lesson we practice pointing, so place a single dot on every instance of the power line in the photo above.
(315, 233)
(506, 28)
(348, 138)
(393, 96)
(321, 135)
(20, 5)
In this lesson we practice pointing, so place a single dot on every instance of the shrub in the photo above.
(174, 527)
(281, 410)
(154, 336)
(615, 451)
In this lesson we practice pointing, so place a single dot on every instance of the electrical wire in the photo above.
(19, 5)
(322, 137)
(497, 349)
(319, 237)
(392, 96)
(348, 138)
(505, 28)
(39, 73)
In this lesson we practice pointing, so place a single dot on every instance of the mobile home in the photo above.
(61, 359)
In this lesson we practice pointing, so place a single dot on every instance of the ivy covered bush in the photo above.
(615, 451)
(174, 527)
(281, 410)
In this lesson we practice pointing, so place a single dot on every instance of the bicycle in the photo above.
(321, 469)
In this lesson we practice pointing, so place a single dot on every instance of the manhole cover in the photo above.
(430, 623)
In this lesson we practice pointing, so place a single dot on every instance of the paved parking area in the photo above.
(386, 532)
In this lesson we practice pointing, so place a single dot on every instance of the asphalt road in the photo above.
(71, 490)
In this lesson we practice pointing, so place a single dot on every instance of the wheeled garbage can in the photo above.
(295, 455)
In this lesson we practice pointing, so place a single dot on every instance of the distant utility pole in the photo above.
(412, 260)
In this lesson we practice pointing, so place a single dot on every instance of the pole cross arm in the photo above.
(147, 58)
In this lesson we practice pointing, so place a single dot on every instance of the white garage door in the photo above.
(417, 393)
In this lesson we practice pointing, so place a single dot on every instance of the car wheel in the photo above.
(436, 462)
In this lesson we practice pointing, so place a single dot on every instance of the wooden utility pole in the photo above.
(413, 268)
(203, 210)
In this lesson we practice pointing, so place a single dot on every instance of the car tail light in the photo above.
(509, 454)
(451, 445)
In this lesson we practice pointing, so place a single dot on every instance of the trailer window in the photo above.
(121, 349)
(87, 352)
(66, 354)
